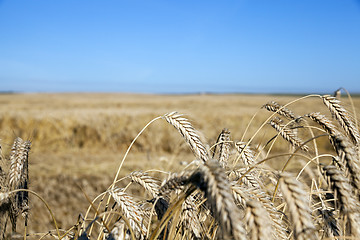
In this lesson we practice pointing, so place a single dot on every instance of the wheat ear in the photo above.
(248, 178)
(174, 182)
(247, 155)
(298, 204)
(273, 106)
(212, 180)
(288, 134)
(190, 217)
(18, 179)
(223, 142)
(258, 221)
(147, 182)
(343, 117)
(133, 213)
(330, 223)
(325, 123)
(348, 204)
(189, 133)
(348, 156)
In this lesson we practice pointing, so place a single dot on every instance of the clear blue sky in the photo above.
(177, 46)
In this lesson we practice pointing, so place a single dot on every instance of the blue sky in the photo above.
(150, 46)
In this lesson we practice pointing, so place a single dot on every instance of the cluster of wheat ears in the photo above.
(228, 192)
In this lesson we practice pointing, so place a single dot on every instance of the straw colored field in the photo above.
(78, 140)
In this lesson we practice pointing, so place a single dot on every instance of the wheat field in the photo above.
(132, 166)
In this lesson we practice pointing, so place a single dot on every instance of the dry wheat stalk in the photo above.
(150, 184)
(247, 155)
(224, 147)
(212, 180)
(1, 156)
(133, 213)
(298, 204)
(258, 221)
(189, 133)
(343, 116)
(281, 110)
(288, 134)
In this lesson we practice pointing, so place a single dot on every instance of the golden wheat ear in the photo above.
(273, 106)
(288, 134)
(212, 180)
(189, 134)
(18, 179)
(343, 117)
(349, 205)
(131, 210)
(149, 183)
(258, 221)
(299, 207)
(224, 144)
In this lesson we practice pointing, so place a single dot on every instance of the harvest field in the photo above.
(78, 142)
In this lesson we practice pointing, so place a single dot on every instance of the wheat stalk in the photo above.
(275, 215)
(243, 195)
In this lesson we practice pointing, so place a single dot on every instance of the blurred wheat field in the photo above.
(78, 140)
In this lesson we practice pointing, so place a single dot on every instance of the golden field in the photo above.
(78, 139)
